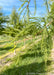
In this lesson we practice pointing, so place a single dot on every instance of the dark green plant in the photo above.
(3, 20)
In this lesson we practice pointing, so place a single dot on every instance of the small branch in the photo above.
(49, 23)
(46, 26)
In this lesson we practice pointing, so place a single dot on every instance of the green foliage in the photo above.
(22, 5)
(52, 16)
(14, 18)
(15, 24)
(3, 19)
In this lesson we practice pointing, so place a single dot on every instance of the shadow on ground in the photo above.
(31, 69)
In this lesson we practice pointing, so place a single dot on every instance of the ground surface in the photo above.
(52, 56)
(27, 61)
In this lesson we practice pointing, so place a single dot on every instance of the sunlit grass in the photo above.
(31, 61)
